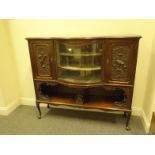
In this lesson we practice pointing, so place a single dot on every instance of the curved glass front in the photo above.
(79, 62)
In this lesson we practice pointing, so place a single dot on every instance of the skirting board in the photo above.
(135, 111)
(145, 121)
(8, 109)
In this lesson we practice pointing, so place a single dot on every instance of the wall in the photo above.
(9, 87)
(149, 96)
(20, 29)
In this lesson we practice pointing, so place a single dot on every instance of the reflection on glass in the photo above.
(79, 63)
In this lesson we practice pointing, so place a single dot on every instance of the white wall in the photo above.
(149, 96)
(9, 87)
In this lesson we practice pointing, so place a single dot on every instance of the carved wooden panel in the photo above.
(40, 95)
(42, 60)
(120, 57)
(43, 89)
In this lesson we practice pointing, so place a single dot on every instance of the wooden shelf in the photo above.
(82, 54)
(86, 84)
(81, 68)
(75, 80)
(69, 101)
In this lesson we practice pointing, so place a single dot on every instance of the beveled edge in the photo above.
(103, 37)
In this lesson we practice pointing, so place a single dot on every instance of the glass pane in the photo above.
(79, 62)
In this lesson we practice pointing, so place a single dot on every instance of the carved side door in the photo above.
(41, 53)
(121, 57)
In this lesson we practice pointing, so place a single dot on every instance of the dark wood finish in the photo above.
(112, 93)
(39, 110)
(48, 105)
(41, 52)
(101, 105)
(121, 59)
(86, 38)
(128, 115)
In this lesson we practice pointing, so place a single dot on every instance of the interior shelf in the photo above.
(100, 104)
(80, 80)
(101, 98)
(81, 54)
(80, 68)
(79, 64)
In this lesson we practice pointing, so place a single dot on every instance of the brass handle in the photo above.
(51, 59)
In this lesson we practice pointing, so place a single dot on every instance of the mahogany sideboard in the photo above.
(91, 73)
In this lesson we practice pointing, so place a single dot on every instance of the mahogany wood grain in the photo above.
(105, 44)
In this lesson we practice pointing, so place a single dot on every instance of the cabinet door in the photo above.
(121, 59)
(79, 61)
(41, 52)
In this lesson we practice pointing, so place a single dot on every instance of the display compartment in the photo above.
(79, 62)
(98, 96)
(79, 76)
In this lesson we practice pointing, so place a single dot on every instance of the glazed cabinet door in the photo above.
(41, 53)
(121, 56)
(79, 61)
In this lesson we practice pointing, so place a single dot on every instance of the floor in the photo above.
(60, 121)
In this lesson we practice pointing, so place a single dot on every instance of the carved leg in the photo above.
(39, 110)
(125, 115)
(128, 115)
(48, 105)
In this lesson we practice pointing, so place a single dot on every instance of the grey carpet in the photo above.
(56, 121)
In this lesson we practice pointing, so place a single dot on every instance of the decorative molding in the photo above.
(79, 99)
(8, 109)
(42, 87)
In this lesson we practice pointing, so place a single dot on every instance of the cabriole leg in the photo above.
(125, 114)
(128, 116)
(48, 105)
(39, 110)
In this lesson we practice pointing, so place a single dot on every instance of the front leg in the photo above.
(39, 110)
(48, 105)
(125, 115)
(128, 116)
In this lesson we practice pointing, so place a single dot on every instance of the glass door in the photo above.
(79, 61)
